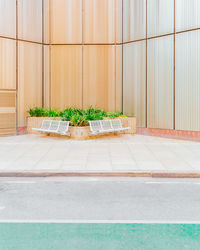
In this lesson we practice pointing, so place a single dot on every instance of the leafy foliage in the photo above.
(37, 112)
(114, 114)
(76, 116)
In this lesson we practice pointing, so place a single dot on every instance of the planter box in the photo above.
(78, 133)
(129, 122)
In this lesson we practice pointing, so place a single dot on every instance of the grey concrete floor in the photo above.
(100, 199)
(113, 154)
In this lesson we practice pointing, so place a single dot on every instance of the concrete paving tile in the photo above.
(48, 165)
(194, 164)
(74, 161)
(99, 167)
(124, 167)
(73, 167)
(150, 165)
(177, 165)
(122, 161)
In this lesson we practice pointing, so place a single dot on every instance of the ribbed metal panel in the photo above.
(160, 82)
(188, 81)
(134, 77)
(7, 112)
(30, 20)
(7, 99)
(8, 18)
(187, 14)
(7, 64)
(134, 20)
(7, 121)
(160, 17)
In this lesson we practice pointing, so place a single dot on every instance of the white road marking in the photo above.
(101, 221)
(191, 183)
(1, 208)
(19, 182)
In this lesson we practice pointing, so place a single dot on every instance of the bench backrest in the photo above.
(63, 127)
(106, 125)
(116, 124)
(54, 126)
(46, 124)
(95, 126)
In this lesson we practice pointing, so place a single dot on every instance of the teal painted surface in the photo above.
(29, 236)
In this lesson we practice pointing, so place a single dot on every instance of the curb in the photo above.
(103, 174)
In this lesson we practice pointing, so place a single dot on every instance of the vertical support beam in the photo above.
(49, 53)
(83, 1)
(146, 93)
(123, 56)
(43, 53)
(17, 67)
(174, 86)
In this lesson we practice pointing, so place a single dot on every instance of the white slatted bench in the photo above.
(106, 126)
(56, 127)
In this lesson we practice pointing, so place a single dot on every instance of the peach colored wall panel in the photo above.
(66, 76)
(99, 21)
(8, 18)
(47, 77)
(99, 76)
(66, 21)
(46, 20)
(118, 77)
(29, 79)
(7, 64)
(118, 21)
(30, 20)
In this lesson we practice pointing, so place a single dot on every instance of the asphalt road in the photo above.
(100, 199)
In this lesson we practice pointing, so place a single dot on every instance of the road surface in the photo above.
(100, 200)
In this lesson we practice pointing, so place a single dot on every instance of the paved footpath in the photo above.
(43, 155)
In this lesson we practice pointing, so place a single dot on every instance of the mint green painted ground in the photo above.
(34, 236)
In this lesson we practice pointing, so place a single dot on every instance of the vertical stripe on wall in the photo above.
(160, 65)
(188, 81)
(134, 77)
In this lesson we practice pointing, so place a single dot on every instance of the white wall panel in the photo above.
(187, 14)
(134, 79)
(188, 81)
(134, 20)
(160, 17)
(160, 83)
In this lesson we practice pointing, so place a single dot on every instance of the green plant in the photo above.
(52, 113)
(76, 116)
(78, 120)
(69, 112)
(37, 112)
(114, 114)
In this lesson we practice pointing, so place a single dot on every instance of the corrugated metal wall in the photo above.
(171, 71)
(139, 54)
(134, 77)
(160, 62)
(188, 81)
